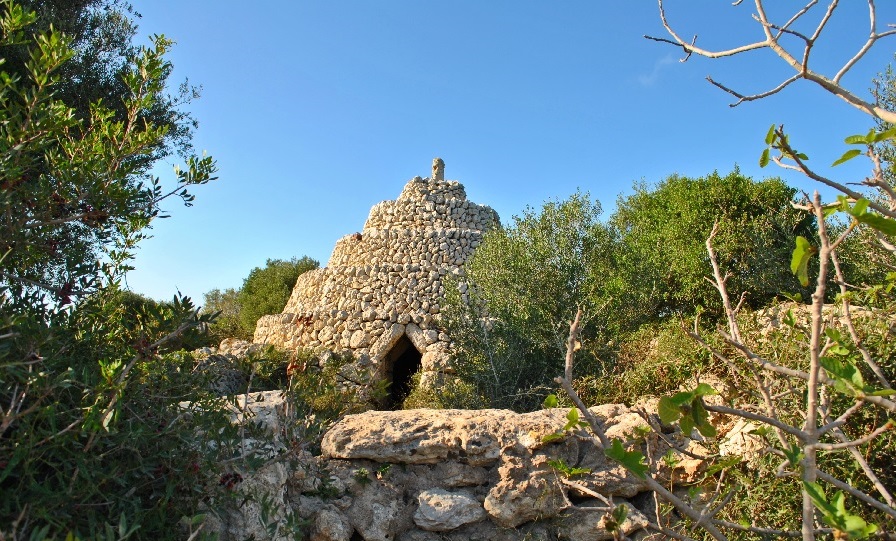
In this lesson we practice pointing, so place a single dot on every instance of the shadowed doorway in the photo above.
(401, 363)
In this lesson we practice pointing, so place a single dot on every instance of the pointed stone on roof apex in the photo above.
(438, 169)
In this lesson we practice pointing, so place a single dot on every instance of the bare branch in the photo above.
(572, 343)
(592, 420)
(872, 39)
(788, 152)
(886, 427)
(691, 48)
(793, 431)
(801, 67)
(742, 98)
(827, 478)
(841, 420)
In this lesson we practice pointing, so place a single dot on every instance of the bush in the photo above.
(93, 440)
(227, 324)
(522, 287)
(266, 290)
(663, 231)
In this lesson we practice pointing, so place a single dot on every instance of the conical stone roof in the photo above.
(387, 282)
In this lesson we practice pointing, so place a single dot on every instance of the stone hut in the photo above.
(379, 295)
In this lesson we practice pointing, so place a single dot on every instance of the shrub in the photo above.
(663, 231)
(266, 290)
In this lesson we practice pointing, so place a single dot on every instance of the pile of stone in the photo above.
(387, 281)
(428, 475)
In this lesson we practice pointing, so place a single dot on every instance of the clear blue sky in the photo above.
(316, 110)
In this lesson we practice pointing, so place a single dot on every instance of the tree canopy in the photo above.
(75, 197)
(89, 384)
(663, 231)
(266, 289)
(523, 286)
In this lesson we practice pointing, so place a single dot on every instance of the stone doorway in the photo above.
(399, 367)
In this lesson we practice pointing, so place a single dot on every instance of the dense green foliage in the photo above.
(227, 305)
(647, 264)
(265, 291)
(91, 435)
(74, 191)
(663, 231)
(525, 284)
(101, 34)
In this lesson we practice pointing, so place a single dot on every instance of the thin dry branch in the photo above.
(800, 66)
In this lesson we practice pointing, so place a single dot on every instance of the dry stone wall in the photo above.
(387, 282)
(446, 475)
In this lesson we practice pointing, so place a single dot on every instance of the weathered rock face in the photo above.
(428, 475)
(379, 295)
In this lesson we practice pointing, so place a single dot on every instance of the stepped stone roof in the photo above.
(387, 282)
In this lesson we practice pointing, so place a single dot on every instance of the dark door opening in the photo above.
(401, 363)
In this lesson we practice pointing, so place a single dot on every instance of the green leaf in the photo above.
(855, 140)
(682, 398)
(818, 497)
(620, 513)
(632, 461)
(789, 319)
(887, 226)
(763, 158)
(882, 392)
(699, 413)
(888, 134)
(720, 465)
(839, 350)
(799, 264)
(707, 430)
(835, 514)
(701, 419)
(668, 411)
(860, 207)
(794, 454)
(572, 419)
(687, 425)
(550, 402)
(848, 155)
(847, 377)
(770, 136)
(704, 389)
(556, 436)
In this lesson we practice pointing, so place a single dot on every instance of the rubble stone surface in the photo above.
(388, 280)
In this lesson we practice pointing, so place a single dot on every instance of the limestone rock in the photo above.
(223, 373)
(378, 512)
(474, 437)
(441, 475)
(528, 489)
(739, 441)
(331, 525)
(440, 510)
(590, 524)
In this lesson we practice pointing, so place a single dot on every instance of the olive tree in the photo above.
(521, 288)
(92, 439)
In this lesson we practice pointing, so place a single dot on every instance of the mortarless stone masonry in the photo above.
(379, 295)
